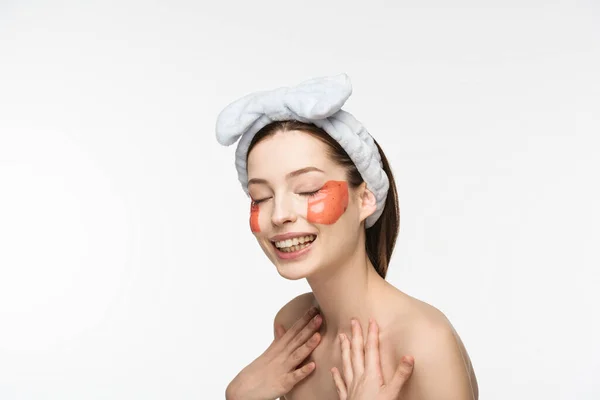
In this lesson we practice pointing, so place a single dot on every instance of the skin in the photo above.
(344, 283)
(362, 377)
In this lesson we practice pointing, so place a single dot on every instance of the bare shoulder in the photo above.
(423, 318)
(294, 309)
(443, 369)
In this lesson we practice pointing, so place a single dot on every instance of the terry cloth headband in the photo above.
(317, 101)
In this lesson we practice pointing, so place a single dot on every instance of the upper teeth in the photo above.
(295, 241)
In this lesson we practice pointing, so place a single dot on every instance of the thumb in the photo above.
(403, 372)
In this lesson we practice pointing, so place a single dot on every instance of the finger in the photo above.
(403, 372)
(300, 354)
(358, 355)
(297, 375)
(346, 359)
(305, 334)
(372, 359)
(301, 323)
(339, 384)
(302, 330)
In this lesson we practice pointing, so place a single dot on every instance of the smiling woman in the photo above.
(324, 208)
(321, 179)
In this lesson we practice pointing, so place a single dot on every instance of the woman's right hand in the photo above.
(274, 373)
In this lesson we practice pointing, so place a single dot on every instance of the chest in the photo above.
(320, 385)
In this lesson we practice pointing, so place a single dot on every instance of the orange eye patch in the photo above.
(329, 203)
(254, 226)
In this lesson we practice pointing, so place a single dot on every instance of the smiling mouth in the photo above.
(295, 244)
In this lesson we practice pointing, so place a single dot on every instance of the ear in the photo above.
(366, 201)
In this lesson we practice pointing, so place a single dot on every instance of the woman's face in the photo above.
(304, 215)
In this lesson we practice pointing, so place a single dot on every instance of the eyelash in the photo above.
(309, 194)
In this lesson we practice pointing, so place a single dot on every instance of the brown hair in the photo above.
(381, 237)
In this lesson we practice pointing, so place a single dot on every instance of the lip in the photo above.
(294, 254)
(290, 235)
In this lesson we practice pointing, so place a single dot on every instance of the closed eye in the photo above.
(309, 194)
(257, 202)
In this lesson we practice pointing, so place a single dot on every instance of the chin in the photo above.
(294, 271)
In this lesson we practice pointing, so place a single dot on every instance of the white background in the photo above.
(127, 269)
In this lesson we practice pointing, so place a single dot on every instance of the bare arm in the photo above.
(441, 370)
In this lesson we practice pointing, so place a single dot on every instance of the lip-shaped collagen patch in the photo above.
(329, 203)
(254, 226)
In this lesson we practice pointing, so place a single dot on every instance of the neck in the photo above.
(349, 290)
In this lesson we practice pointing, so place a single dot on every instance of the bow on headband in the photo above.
(317, 101)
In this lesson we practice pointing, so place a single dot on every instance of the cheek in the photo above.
(328, 205)
(254, 210)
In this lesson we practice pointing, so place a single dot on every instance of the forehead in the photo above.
(284, 152)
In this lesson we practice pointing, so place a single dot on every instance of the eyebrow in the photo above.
(292, 174)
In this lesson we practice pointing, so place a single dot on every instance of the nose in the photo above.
(283, 211)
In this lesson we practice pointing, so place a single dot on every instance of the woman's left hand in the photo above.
(364, 381)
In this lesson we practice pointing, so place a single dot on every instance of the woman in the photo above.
(324, 207)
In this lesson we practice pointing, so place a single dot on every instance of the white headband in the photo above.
(317, 101)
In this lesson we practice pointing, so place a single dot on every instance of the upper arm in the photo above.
(441, 371)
